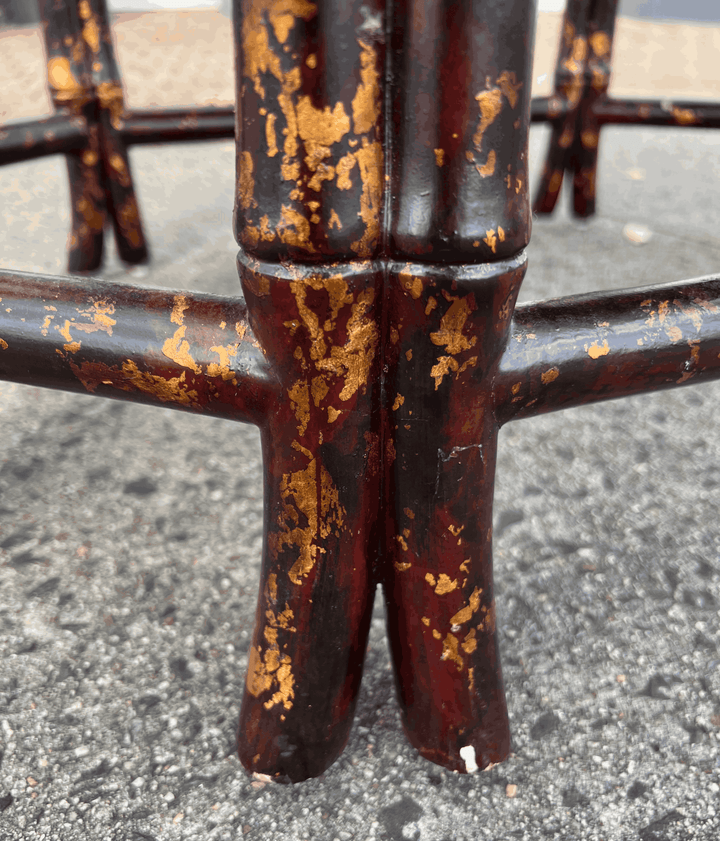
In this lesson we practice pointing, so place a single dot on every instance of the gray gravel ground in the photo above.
(130, 545)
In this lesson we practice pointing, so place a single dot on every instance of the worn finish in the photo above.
(309, 215)
(458, 140)
(447, 330)
(382, 214)
(579, 350)
(323, 470)
(190, 352)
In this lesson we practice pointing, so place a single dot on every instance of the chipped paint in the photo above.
(445, 584)
(366, 103)
(596, 350)
(546, 377)
(450, 651)
(465, 614)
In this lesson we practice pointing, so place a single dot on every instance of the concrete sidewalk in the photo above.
(129, 561)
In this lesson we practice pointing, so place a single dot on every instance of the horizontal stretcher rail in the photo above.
(178, 350)
(582, 349)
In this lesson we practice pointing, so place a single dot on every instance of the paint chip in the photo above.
(467, 754)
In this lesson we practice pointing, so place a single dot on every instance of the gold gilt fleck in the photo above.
(270, 136)
(110, 96)
(311, 61)
(178, 349)
(403, 543)
(595, 351)
(549, 376)
(100, 313)
(129, 221)
(445, 584)
(437, 634)
(333, 414)
(450, 334)
(675, 334)
(600, 44)
(444, 366)
(223, 368)
(470, 643)
(450, 651)
(258, 57)
(272, 586)
(61, 79)
(465, 614)
(130, 378)
(319, 389)
(91, 215)
(91, 32)
(488, 168)
(409, 513)
(265, 672)
(508, 84)
(246, 182)
(334, 221)
(439, 156)
(430, 578)
(294, 229)
(455, 530)
(399, 400)
(431, 304)
(412, 285)
(3, 344)
(355, 357)
(589, 139)
(366, 102)
(311, 510)
(370, 162)
(402, 567)
(425, 621)
(684, 116)
(408, 354)
(490, 104)
(299, 396)
(343, 170)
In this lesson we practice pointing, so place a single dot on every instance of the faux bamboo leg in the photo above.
(117, 177)
(450, 326)
(309, 206)
(600, 38)
(459, 227)
(570, 72)
(70, 87)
